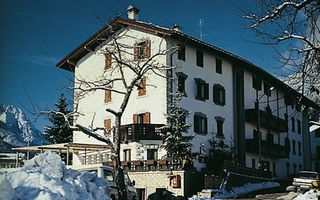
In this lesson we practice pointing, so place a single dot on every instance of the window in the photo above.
(218, 65)
(142, 50)
(293, 146)
(292, 124)
(182, 53)
(253, 163)
(269, 138)
(181, 82)
(288, 169)
(317, 133)
(219, 95)
(108, 61)
(142, 118)
(127, 154)
(107, 125)
(287, 144)
(200, 123)
(152, 154)
(267, 89)
(294, 168)
(299, 148)
(274, 169)
(318, 151)
(299, 126)
(298, 107)
(255, 134)
(202, 89)
(220, 121)
(108, 175)
(199, 58)
(142, 87)
(256, 83)
(107, 96)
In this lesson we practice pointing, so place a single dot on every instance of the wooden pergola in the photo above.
(67, 148)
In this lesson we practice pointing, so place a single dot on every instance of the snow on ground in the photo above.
(45, 177)
(310, 195)
(237, 191)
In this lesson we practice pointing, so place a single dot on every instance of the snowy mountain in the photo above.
(16, 129)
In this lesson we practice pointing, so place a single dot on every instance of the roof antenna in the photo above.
(200, 28)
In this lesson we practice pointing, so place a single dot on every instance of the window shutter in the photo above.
(198, 95)
(142, 91)
(215, 94)
(108, 61)
(107, 125)
(146, 118)
(135, 51)
(135, 118)
(206, 91)
(196, 123)
(223, 96)
(205, 125)
(147, 49)
(107, 96)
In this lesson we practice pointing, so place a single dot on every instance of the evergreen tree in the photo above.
(176, 143)
(59, 132)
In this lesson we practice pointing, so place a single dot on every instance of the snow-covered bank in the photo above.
(237, 191)
(45, 177)
(310, 195)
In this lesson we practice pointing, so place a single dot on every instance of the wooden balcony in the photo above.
(137, 132)
(267, 120)
(268, 148)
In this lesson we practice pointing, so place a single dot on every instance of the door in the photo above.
(141, 193)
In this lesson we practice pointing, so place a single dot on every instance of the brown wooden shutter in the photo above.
(135, 51)
(107, 96)
(146, 118)
(107, 125)
(135, 118)
(108, 61)
(142, 91)
(147, 49)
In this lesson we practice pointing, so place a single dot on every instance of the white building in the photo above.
(220, 92)
(315, 147)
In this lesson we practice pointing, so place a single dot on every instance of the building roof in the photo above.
(69, 62)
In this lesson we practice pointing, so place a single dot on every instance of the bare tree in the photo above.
(130, 64)
(293, 25)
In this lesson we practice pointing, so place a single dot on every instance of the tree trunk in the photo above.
(122, 192)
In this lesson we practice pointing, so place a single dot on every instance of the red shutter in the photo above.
(107, 124)
(135, 118)
(107, 96)
(146, 118)
(108, 61)
(135, 51)
(147, 49)
(142, 91)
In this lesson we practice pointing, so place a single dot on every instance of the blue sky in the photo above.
(36, 34)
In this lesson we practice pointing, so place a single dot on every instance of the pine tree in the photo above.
(59, 132)
(176, 143)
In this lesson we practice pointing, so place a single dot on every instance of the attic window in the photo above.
(199, 58)
(142, 50)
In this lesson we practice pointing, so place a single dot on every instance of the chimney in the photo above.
(133, 13)
(176, 27)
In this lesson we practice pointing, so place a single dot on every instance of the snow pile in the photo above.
(45, 177)
(311, 195)
(237, 191)
(16, 129)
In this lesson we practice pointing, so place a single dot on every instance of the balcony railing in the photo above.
(315, 156)
(268, 148)
(267, 120)
(137, 132)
